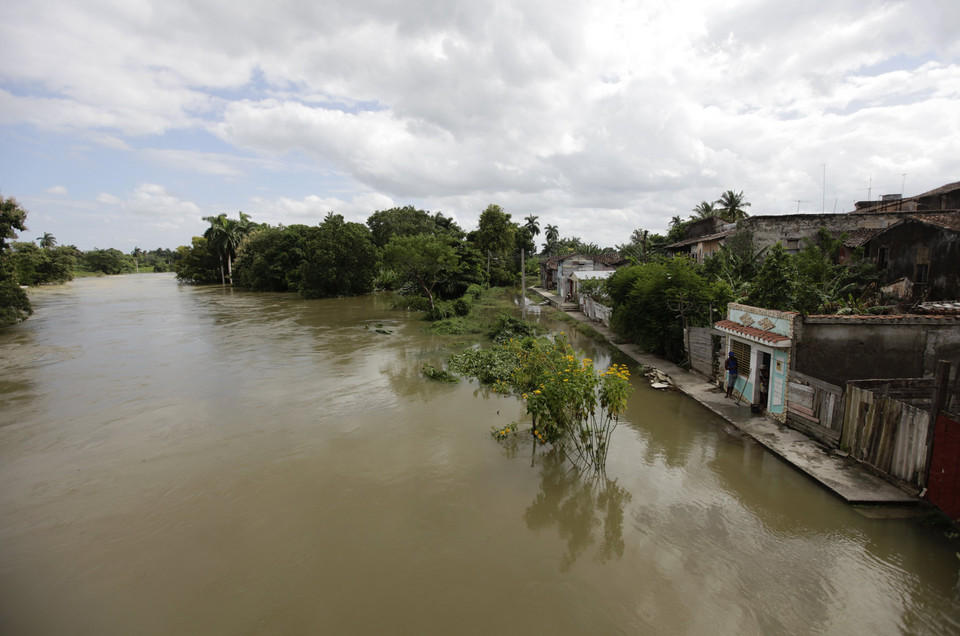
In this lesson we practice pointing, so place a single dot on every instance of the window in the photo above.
(882, 257)
(921, 273)
(742, 351)
(793, 245)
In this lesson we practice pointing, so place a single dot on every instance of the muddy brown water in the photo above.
(184, 460)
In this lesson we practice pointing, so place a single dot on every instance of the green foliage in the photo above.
(109, 261)
(12, 218)
(732, 206)
(14, 304)
(775, 286)
(408, 221)
(269, 259)
(496, 240)
(198, 263)
(574, 408)
(424, 259)
(440, 375)
(36, 266)
(508, 327)
(653, 302)
(736, 264)
(340, 259)
(824, 284)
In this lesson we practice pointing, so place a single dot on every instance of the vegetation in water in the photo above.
(574, 408)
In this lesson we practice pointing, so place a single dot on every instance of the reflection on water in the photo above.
(586, 508)
(208, 461)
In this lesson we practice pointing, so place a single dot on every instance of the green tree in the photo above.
(270, 258)
(107, 261)
(340, 259)
(198, 263)
(824, 282)
(704, 210)
(552, 234)
(653, 302)
(424, 259)
(532, 225)
(775, 286)
(731, 206)
(496, 238)
(47, 241)
(14, 303)
(224, 236)
(405, 221)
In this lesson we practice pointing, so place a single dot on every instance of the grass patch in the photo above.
(580, 326)
(482, 316)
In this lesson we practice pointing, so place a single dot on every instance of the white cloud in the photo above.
(598, 116)
(58, 190)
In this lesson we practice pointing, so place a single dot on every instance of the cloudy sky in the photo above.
(123, 122)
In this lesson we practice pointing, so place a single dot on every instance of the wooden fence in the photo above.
(886, 425)
(700, 350)
(815, 407)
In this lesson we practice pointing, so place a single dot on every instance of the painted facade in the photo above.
(763, 341)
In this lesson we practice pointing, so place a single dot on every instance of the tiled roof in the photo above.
(700, 239)
(859, 236)
(892, 319)
(753, 333)
(948, 220)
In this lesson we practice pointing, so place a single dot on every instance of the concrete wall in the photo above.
(840, 348)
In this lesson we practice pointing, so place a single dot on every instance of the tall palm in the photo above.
(731, 206)
(223, 237)
(136, 254)
(532, 225)
(47, 241)
(552, 234)
(705, 210)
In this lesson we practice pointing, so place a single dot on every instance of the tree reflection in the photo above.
(586, 508)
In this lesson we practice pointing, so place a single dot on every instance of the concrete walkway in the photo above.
(843, 476)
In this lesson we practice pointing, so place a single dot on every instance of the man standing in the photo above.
(730, 364)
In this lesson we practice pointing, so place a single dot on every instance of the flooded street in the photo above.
(181, 460)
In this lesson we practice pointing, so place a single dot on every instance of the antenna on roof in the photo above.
(799, 201)
(823, 195)
(902, 182)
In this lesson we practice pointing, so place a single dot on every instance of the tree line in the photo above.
(42, 262)
(426, 256)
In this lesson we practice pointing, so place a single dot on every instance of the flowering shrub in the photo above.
(574, 407)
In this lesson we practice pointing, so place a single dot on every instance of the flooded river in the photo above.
(182, 460)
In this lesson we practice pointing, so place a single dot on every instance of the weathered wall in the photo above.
(836, 349)
(913, 243)
(768, 230)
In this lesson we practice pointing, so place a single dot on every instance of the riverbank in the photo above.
(842, 476)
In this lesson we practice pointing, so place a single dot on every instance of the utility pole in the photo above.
(523, 284)
(823, 196)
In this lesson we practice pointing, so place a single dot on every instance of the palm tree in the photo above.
(136, 254)
(552, 234)
(731, 206)
(532, 225)
(47, 241)
(705, 210)
(224, 236)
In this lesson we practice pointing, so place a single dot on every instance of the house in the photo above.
(869, 217)
(921, 252)
(703, 238)
(762, 341)
(555, 271)
(578, 277)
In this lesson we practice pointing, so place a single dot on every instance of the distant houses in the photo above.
(914, 240)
